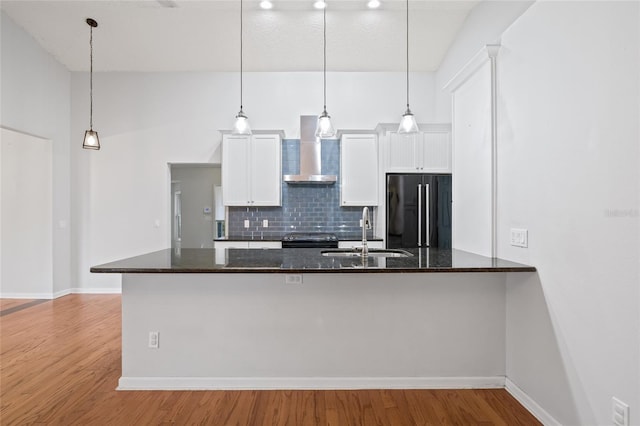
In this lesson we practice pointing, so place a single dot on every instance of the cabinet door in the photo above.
(402, 152)
(359, 170)
(266, 170)
(235, 170)
(436, 152)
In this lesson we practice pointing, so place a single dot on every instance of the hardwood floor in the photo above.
(60, 364)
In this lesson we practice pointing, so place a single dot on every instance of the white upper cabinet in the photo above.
(359, 170)
(266, 170)
(428, 151)
(251, 170)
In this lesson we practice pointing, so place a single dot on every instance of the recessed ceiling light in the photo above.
(266, 4)
(320, 4)
(373, 4)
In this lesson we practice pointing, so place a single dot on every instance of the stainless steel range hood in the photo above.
(310, 156)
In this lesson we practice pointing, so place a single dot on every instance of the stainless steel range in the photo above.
(310, 240)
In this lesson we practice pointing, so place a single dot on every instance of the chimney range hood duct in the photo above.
(310, 156)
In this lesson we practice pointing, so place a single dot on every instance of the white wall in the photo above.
(569, 99)
(36, 100)
(333, 330)
(484, 25)
(146, 120)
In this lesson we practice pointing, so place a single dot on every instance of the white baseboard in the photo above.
(306, 383)
(61, 293)
(79, 290)
(539, 413)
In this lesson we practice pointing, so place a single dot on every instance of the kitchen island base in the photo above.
(332, 331)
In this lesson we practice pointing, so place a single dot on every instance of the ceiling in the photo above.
(190, 35)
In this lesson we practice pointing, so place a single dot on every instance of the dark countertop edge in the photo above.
(249, 270)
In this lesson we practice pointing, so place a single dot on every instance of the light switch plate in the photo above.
(519, 237)
(154, 339)
(246, 223)
(619, 413)
(265, 223)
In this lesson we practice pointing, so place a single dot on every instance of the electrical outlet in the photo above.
(246, 223)
(619, 412)
(154, 339)
(293, 279)
(519, 237)
(265, 223)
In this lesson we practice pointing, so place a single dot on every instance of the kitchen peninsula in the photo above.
(295, 318)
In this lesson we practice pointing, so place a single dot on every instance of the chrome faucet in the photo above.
(366, 224)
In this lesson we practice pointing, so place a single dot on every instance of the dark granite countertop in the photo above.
(305, 261)
(342, 236)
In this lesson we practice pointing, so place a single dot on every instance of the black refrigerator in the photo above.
(418, 210)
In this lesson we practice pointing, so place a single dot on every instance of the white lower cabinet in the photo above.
(220, 247)
(265, 244)
(246, 244)
(352, 244)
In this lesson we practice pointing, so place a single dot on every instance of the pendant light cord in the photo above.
(91, 78)
(407, 54)
(240, 55)
(324, 42)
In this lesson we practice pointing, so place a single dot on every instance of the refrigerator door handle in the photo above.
(419, 215)
(428, 214)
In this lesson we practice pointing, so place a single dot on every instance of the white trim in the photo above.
(532, 406)
(487, 52)
(61, 293)
(493, 53)
(109, 290)
(26, 296)
(307, 383)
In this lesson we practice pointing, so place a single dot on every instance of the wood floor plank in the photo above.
(60, 363)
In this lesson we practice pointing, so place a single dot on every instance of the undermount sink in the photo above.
(372, 253)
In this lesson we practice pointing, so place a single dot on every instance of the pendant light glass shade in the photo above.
(241, 125)
(91, 140)
(408, 122)
(324, 129)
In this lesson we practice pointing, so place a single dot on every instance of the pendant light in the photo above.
(408, 123)
(241, 126)
(91, 140)
(324, 128)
